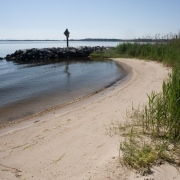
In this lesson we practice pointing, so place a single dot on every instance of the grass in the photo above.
(166, 52)
(137, 154)
(152, 131)
(141, 152)
(162, 114)
(110, 53)
(60, 158)
(101, 145)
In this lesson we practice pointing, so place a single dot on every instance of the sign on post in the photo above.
(66, 33)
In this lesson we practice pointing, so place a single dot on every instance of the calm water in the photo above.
(26, 89)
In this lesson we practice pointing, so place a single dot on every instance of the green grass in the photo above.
(141, 152)
(110, 53)
(60, 158)
(136, 154)
(159, 121)
(161, 116)
(169, 52)
(166, 52)
(152, 132)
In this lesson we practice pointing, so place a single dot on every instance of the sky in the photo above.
(121, 19)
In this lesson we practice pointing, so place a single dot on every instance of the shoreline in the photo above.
(72, 142)
(40, 113)
(21, 102)
(29, 120)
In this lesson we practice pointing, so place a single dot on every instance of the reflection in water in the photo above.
(67, 71)
(29, 88)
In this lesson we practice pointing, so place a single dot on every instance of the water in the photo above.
(26, 89)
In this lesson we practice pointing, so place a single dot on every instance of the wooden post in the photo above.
(67, 41)
(66, 33)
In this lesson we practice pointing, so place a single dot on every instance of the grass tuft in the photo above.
(152, 132)
(60, 158)
(159, 120)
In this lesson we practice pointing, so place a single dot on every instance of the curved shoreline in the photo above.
(72, 142)
(48, 110)
(19, 120)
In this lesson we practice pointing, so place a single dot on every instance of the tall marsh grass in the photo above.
(167, 51)
(154, 129)
(161, 116)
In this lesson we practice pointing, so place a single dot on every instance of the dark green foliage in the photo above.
(162, 113)
(168, 52)
(159, 119)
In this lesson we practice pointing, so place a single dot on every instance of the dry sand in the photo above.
(71, 143)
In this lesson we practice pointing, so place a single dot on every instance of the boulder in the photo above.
(13, 58)
(53, 53)
(8, 57)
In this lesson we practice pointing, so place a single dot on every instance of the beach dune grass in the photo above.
(153, 133)
(161, 115)
(166, 52)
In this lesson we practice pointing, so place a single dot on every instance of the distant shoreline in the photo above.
(98, 39)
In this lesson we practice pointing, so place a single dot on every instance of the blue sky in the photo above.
(123, 19)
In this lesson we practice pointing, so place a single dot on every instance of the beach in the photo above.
(72, 143)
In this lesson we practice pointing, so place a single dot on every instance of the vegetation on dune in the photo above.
(157, 125)
(152, 131)
(166, 52)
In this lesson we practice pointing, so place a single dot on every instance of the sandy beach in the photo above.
(71, 143)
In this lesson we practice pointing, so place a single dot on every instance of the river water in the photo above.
(26, 89)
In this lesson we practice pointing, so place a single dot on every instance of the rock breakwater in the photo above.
(53, 53)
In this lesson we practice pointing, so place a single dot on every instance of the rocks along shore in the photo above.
(53, 53)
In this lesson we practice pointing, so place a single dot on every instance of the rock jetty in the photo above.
(53, 53)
